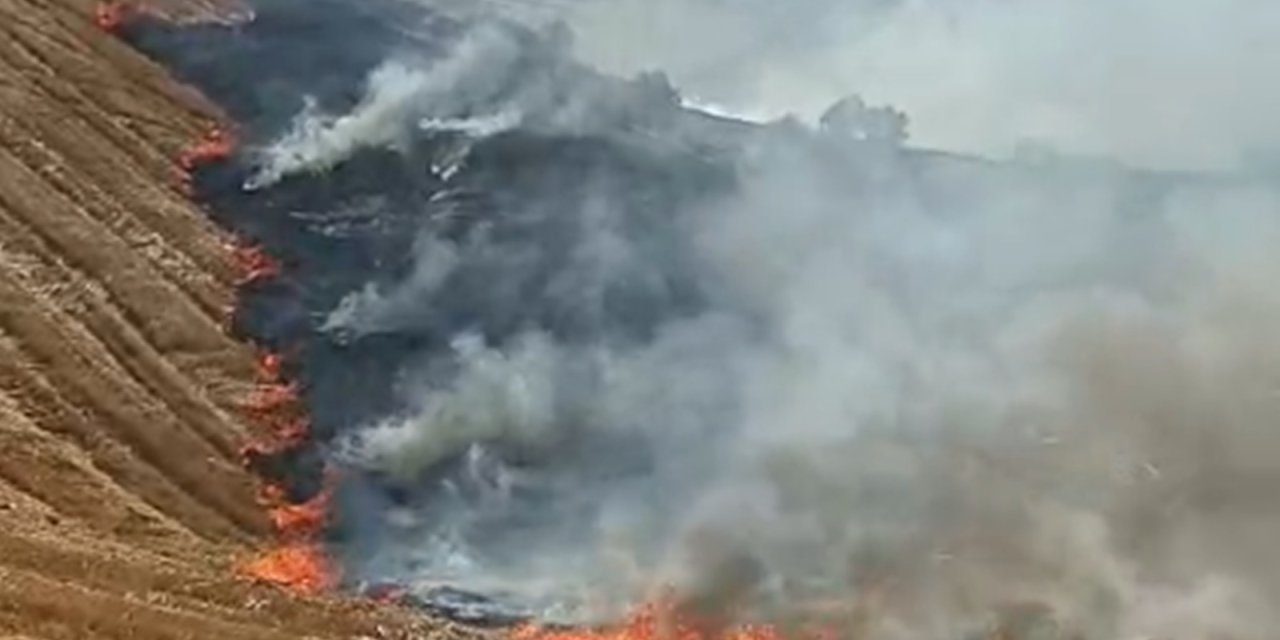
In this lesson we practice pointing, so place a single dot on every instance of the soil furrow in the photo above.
(84, 378)
(122, 505)
(85, 301)
(67, 141)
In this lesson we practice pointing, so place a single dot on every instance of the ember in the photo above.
(270, 366)
(111, 15)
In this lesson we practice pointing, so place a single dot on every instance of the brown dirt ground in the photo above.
(122, 504)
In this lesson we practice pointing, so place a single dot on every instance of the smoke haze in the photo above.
(800, 374)
(1182, 84)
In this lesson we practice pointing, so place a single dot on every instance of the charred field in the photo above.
(547, 338)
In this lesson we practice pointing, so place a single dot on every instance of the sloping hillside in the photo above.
(122, 500)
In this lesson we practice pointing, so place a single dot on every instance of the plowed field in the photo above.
(123, 505)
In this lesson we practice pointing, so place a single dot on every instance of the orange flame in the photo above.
(302, 567)
(300, 564)
(216, 146)
(302, 521)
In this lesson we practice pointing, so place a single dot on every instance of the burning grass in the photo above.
(304, 521)
(300, 562)
(302, 567)
(217, 145)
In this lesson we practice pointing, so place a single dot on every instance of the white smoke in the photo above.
(923, 391)
(400, 96)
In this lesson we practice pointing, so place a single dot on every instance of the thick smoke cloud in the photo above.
(803, 375)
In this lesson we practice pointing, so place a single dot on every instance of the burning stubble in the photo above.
(794, 375)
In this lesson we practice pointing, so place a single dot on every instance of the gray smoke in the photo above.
(924, 390)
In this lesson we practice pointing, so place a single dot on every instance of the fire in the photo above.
(300, 564)
(303, 567)
(216, 146)
(302, 521)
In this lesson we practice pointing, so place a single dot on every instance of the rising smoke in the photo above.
(800, 374)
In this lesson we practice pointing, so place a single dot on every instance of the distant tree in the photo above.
(851, 117)
(656, 88)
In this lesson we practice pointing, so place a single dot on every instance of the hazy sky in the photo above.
(1163, 82)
